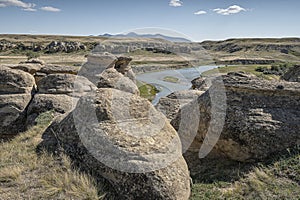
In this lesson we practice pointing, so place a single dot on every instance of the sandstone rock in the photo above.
(134, 148)
(96, 64)
(171, 104)
(200, 84)
(57, 69)
(12, 114)
(255, 118)
(122, 66)
(30, 68)
(111, 78)
(293, 74)
(65, 84)
(15, 81)
(41, 103)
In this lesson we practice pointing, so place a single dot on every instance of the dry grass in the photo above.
(26, 175)
(277, 180)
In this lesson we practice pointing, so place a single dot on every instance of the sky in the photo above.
(197, 20)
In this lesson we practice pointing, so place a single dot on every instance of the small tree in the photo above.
(32, 55)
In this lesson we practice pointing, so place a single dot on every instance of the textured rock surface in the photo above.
(171, 104)
(200, 84)
(111, 78)
(15, 81)
(30, 68)
(96, 64)
(57, 69)
(134, 148)
(60, 104)
(12, 114)
(293, 74)
(64, 84)
(261, 118)
(122, 66)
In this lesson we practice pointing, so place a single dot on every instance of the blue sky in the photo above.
(198, 19)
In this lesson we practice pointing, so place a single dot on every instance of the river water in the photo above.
(185, 76)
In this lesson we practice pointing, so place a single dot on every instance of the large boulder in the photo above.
(123, 138)
(15, 81)
(58, 103)
(243, 118)
(65, 84)
(13, 114)
(293, 74)
(58, 69)
(29, 68)
(171, 104)
(111, 78)
(96, 64)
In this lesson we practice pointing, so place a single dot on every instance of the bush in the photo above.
(32, 55)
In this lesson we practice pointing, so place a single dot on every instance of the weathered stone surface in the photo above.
(122, 66)
(14, 81)
(200, 84)
(260, 118)
(30, 68)
(58, 69)
(293, 74)
(111, 78)
(12, 114)
(41, 103)
(171, 104)
(65, 84)
(134, 148)
(67, 47)
(96, 64)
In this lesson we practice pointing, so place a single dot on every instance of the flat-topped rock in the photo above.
(65, 84)
(30, 68)
(59, 69)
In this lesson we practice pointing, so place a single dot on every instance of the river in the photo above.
(184, 76)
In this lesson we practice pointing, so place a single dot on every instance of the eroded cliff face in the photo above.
(260, 118)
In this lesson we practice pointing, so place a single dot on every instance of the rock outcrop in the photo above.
(134, 148)
(111, 78)
(15, 81)
(15, 94)
(67, 47)
(254, 119)
(58, 69)
(293, 74)
(171, 104)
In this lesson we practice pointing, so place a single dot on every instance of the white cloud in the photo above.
(230, 10)
(200, 12)
(18, 3)
(175, 3)
(50, 9)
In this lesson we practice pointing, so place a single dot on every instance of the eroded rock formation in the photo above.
(260, 118)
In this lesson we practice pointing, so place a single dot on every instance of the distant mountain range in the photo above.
(135, 35)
